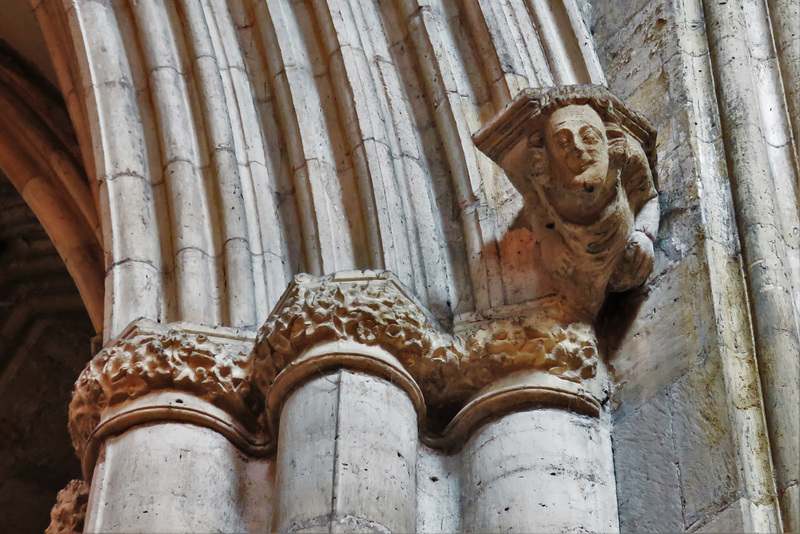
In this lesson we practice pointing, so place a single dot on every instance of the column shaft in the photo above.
(167, 478)
(545, 470)
(347, 456)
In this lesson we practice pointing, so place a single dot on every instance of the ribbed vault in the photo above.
(40, 156)
(44, 342)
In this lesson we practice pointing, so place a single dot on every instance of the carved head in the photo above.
(572, 147)
(577, 157)
(577, 149)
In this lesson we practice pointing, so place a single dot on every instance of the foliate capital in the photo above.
(150, 357)
(69, 512)
(370, 308)
(373, 309)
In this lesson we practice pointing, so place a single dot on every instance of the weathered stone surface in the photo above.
(540, 470)
(231, 144)
(438, 491)
(661, 58)
(69, 513)
(646, 468)
(149, 358)
(202, 483)
(374, 309)
(347, 457)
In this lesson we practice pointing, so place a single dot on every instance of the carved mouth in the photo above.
(581, 166)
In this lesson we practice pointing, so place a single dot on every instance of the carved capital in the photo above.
(321, 322)
(567, 352)
(69, 512)
(369, 308)
(148, 358)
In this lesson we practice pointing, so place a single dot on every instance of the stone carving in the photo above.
(145, 362)
(374, 309)
(368, 307)
(69, 512)
(568, 352)
(583, 164)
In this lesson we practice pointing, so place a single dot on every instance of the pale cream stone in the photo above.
(343, 90)
(165, 478)
(347, 457)
(539, 471)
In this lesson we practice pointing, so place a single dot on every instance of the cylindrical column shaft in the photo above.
(167, 478)
(544, 470)
(346, 458)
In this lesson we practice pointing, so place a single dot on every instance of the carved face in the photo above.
(577, 148)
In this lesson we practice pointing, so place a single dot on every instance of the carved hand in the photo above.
(636, 263)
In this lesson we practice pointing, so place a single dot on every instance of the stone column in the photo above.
(160, 419)
(333, 363)
(538, 454)
(535, 443)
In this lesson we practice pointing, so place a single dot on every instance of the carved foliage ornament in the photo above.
(366, 307)
(69, 512)
(146, 362)
(374, 309)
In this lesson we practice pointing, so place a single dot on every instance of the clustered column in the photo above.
(345, 409)
(335, 387)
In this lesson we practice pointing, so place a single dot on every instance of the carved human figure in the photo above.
(586, 186)
(576, 155)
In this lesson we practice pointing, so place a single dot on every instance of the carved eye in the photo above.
(563, 141)
(590, 137)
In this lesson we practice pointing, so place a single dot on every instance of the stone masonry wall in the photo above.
(683, 350)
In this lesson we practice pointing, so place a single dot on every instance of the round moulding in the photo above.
(519, 391)
(170, 407)
(331, 356)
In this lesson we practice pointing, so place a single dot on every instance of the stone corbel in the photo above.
(585, 166)
(167, 373)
